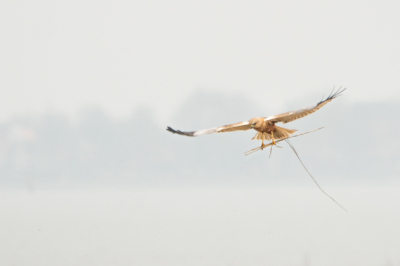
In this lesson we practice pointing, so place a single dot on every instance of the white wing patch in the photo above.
(205, 131)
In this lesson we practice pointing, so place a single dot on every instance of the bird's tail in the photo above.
(280, 133)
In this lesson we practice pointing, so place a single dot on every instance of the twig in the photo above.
(277, 141)
(291, 146)
(311, 175)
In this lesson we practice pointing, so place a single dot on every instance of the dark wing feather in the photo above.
(189, 134)
(294, 115)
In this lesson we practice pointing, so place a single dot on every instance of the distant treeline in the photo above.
(360, 145)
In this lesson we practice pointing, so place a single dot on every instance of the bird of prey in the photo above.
(265, 126)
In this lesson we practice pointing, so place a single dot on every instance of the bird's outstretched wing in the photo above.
(228, 128)
(294, 115)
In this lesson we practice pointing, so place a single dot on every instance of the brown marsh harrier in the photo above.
(267, 130)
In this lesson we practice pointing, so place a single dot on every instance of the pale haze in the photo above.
(90, 176)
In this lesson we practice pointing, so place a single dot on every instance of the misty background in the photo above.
(90, 176)
(359, 146)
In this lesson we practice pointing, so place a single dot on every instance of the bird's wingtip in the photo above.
(334, 94)
(189, 134)
(170, 129)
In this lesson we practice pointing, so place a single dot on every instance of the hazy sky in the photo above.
(194, 65)
(61, 56)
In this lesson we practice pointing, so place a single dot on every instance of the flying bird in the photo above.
(265, 126)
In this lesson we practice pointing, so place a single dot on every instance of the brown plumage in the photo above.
(267, 130)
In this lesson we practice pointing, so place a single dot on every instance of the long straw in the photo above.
(291, 146)
(277, 141)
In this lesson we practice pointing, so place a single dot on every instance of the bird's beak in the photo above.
(252, 126)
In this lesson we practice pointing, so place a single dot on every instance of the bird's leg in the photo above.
(262, 145)
(272, 135)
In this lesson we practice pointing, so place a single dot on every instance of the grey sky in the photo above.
(65, 55)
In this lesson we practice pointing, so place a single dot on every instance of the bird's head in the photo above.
(256, 122)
